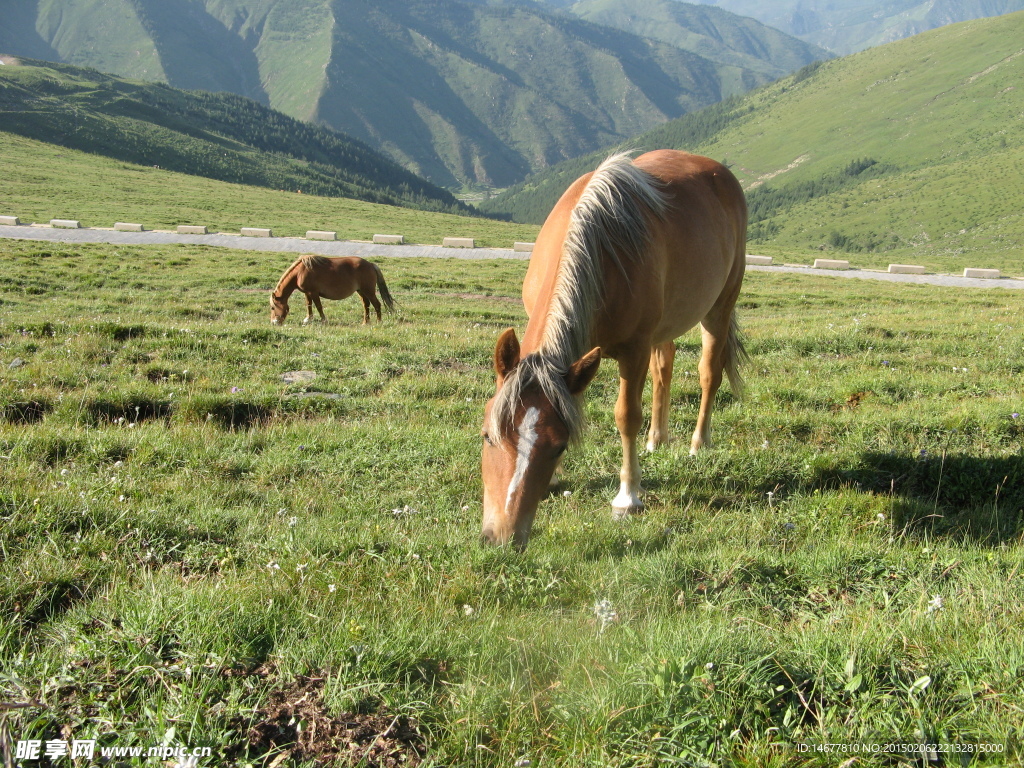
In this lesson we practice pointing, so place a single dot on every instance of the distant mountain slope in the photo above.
(725, 38)
(913, 146)
(847, 26)
(220, 136)
(457, 92)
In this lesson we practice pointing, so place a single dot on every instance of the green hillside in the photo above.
(43, 182)
(459, 93)
(220, 136)
(913, 149)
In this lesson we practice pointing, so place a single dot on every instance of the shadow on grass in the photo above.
(976, 497)
(25, 411)
(128, 409)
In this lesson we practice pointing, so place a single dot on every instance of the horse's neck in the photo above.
(288, 284)
(561, 321)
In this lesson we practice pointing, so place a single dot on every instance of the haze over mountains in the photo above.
(846, 26)
(458, 92)
(840, 26)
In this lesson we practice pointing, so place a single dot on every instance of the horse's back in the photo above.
(698, 248)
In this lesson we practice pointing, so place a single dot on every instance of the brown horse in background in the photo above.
(632, 256)
(329, 278)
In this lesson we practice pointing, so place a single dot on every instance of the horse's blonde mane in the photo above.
(608, 224)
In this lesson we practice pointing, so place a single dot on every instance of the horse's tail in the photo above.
(382, 287)
(735, 356)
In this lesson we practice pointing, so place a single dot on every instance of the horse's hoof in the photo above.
(626, 504)
(620, 514)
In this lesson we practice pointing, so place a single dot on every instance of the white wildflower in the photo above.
(935, 604)
(332, 587)
(605, 613)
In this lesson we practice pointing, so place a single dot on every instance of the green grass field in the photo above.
(195, 552)
(42, 182)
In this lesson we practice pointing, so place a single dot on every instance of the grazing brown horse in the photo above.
(632, 256)
(338, 278)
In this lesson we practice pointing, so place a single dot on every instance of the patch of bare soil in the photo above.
(295, 725)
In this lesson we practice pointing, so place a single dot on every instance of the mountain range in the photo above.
(461, 93)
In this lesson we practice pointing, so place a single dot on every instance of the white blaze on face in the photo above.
(524, 449)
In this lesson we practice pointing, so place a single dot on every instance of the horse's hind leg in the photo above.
(714, 331)
(369, 297)
(663, 357)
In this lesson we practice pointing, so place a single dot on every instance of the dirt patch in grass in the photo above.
(296, 722)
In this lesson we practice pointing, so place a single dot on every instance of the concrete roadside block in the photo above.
(388, 239)
(123, 226)
(256, 232)
(458, 242)
(987, 274)
(193, 229)
(831, 264)
(10, 221)
(65, 224)
(522, 247)
(319, 234)
(906, 269)
(763, 261)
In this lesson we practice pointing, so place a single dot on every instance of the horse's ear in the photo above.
(583, 371)
(506, 354)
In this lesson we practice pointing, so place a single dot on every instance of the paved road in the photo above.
(352, 248)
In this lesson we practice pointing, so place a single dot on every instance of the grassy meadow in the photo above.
(194, 551)
(43, 182)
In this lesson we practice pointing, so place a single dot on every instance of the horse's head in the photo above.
(524, 438)
(278, 308)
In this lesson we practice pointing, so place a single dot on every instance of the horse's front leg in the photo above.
(629, 419)
(309, 308)
(319, 308)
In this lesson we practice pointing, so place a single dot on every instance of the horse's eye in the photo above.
(487, 438)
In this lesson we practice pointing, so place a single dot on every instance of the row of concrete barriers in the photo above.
(469, 242)
(903, 269)
(312, 234)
